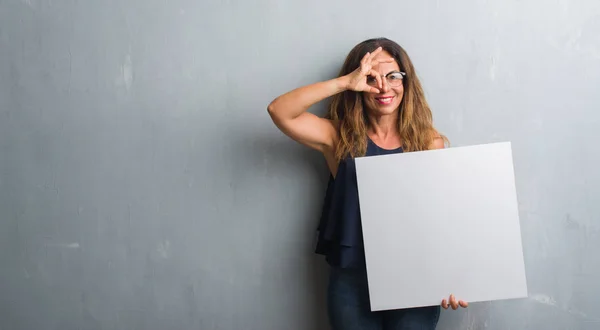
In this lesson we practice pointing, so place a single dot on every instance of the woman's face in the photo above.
(388, 100)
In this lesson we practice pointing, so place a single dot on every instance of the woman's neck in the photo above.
(384, 127)
(383, 130)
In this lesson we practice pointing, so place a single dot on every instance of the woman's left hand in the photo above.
(452, 302)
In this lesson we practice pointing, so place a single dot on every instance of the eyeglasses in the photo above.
(393, 79)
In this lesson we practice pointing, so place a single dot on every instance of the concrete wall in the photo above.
(143, 186)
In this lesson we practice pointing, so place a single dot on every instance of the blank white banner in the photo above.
(439, 222)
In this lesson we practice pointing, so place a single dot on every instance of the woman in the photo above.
(377, 107)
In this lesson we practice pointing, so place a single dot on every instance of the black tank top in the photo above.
(339, 234)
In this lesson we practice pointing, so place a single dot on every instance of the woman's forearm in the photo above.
(292, 104)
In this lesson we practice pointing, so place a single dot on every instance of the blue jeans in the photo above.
(349, 308)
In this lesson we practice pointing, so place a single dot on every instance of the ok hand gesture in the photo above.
(357, 80)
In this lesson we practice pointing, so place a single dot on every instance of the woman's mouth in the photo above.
(384, 100)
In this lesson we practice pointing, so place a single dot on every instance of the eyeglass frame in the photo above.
(402, 75)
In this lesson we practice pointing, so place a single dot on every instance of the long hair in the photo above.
(415, 122)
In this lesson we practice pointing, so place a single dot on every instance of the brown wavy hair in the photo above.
(415, 122)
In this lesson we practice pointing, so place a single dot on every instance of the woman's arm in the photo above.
(289, 113)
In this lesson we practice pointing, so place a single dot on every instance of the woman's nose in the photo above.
(384, 85)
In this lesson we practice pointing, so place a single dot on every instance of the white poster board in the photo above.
(441, 222)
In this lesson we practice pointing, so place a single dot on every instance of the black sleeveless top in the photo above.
(339, 234)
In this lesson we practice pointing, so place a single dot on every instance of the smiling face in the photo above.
(356, 112)
(388, 100)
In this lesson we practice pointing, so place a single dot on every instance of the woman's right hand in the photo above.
(357, 80)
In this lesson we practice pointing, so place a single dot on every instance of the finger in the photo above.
(453, 302)
(364, 60)
(376, 51)
(444, 304)
(385, 60)
(374, 90)
(377, 76)
(463, 304)
(367, 55)
(373, 54)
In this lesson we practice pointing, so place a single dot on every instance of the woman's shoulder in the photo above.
(438, 140)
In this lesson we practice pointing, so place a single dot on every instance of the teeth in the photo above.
(385, 99)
